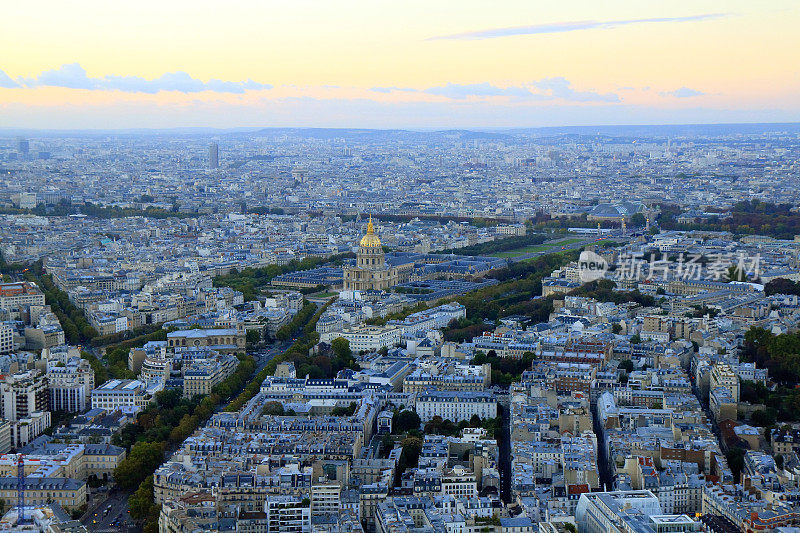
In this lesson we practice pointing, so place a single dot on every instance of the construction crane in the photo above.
(20, 489)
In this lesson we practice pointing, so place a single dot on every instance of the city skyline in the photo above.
(357, 64)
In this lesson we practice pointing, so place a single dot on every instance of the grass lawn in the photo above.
(538, 248)
(326, 294)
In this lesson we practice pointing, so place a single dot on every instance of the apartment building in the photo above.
(455, 405)
(121, 393)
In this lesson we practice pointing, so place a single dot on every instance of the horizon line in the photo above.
(246, 129)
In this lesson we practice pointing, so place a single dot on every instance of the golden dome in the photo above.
(370, 240)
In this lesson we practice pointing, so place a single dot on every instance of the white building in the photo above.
(624, 511)
(456, 405)
(288, 514)
(117, 393)
(24, 403)
(70, 385)
(366, 338)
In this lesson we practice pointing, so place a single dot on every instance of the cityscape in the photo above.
(351, 296)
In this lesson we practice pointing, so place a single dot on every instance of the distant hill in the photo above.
(382, 135)
(667, 130)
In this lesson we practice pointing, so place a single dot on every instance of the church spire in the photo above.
(370, 240)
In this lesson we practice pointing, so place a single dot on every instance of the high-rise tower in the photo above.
(213, 156)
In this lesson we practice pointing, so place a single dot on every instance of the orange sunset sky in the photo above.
(419, 64)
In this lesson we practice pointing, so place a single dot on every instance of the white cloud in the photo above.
(73, 76)
(560, 87)
(683, 92)
(561, 27)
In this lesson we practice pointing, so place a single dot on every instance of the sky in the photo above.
(402, 64)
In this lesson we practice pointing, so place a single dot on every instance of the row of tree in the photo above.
(117, 354)
(746, 217)
(602, 290)
(519, 292)
(298, 321)
(326, 361)
(97, 211)
(251, 281)
(122, 336)
(505, 370)
(77, 329)
(296, 352)
(162, 425)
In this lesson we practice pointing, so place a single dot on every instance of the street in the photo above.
(111, 515)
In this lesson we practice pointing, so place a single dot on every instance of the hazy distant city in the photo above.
(311, 330)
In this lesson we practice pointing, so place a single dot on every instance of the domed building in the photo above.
(370, 271)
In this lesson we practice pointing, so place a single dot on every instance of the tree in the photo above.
(412, 447)
(253, 337)
(141, 501)
(341, 348)
(387, 443)
(626, 365)
(763, 417)
(638, 220)
(781, 286)
(273, 409)
(345, 411)
(735, 458)
(405, 420)
(142, 460)
(434, 425)
(616, 328)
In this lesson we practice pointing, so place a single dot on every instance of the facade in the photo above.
(102, 459)
(366, 337)
(456, 406)
(370, 271)
(204, 375)
(68, 398)
(288, 514)
(722, 375)
(213, 156)
(16, 295)
(70, 386)
(5, 436)
(68, 493)
(24, 403)
(225, 340)
(6, 339)
(120, 393)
